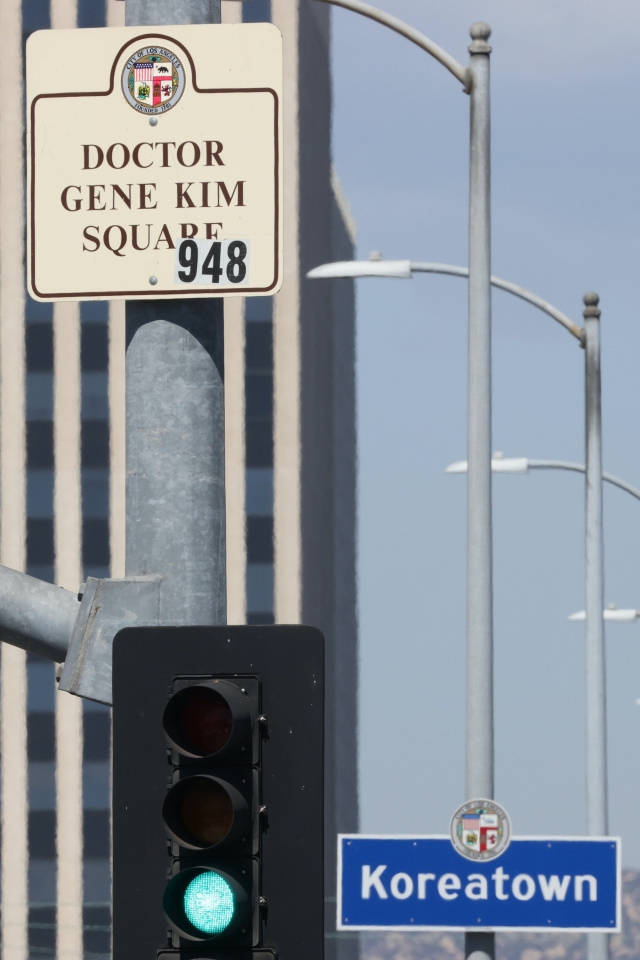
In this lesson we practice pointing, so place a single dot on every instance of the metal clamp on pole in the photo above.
(107, 606)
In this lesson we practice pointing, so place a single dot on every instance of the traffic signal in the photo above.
(211, 810)
(218, 793)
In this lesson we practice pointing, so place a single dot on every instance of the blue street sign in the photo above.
(422, 883)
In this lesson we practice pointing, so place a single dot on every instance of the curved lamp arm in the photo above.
(463, 74)
(509, 287)
(579, 468)
(403, 270)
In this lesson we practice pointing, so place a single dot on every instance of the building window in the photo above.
(256, 11)
(41, 752)
(39, 439)
(94, 356)
(259, 457)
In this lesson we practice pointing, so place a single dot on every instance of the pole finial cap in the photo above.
(480, 31)
(591, 301)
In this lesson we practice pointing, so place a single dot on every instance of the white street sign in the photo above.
(154, 162)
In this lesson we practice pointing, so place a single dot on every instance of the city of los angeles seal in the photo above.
(153, 80)
(480, 830)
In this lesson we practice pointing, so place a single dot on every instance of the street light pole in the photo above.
(475, 79)
(479, 742)
(597, 818)
(479, 721)
(175, 424)
(479, 727)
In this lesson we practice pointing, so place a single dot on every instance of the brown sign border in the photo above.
(147, 294)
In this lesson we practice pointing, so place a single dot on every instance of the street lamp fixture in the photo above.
(611, 613)
(502, 464)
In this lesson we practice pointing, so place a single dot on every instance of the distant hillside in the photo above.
(515, 946)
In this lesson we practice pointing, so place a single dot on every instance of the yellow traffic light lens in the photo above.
(208, 903)
(206, 810)
(203, 811)
(206, 720)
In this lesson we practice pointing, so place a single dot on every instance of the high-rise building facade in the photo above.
(290, 467)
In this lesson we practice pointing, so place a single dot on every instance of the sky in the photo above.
(566, 219)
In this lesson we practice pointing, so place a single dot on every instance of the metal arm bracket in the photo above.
(106, 607)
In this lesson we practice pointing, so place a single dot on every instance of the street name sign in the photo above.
(154, 162)
(423, 883)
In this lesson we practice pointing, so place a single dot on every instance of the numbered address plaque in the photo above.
(222, 263)
(156, 173)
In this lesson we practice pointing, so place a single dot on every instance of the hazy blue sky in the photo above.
(566, 219)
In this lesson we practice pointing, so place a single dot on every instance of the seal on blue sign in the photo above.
(480, 830)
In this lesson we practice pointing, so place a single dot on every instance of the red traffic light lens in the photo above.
(206, 720)
(210, 719)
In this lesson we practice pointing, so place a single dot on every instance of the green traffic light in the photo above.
(202, 903)
(208, 903)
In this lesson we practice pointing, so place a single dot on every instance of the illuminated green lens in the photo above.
(208, 903)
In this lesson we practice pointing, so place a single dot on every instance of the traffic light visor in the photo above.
(211, 719)
(202, 903)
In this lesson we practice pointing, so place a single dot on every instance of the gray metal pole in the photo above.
(156, 12)
(597, 817)
(479, 728)
(175, 424)
(175, 456)
(479, 549)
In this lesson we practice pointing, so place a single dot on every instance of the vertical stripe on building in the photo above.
(66, 443)
(117, 425)
(12, 296)
(231, 12)
(286, 346)
(14, 850)
(68, 538)
(64, 14)
(67, 517)
(115, 13)
(13, 728)
(68, 574)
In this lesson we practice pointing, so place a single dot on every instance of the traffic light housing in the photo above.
(218, 793)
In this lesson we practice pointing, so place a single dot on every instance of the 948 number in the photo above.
(223, 262)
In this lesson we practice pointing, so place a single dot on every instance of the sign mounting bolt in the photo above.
(153, 281)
